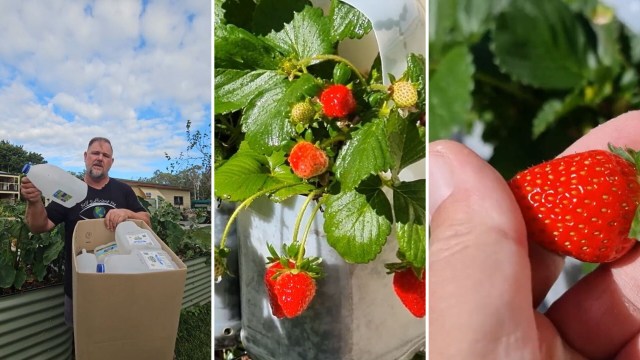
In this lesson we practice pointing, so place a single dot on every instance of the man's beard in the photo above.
(97, 174)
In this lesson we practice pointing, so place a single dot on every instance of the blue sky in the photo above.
(131, 71)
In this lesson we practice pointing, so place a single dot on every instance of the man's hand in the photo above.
(29, 191)
(115, 217)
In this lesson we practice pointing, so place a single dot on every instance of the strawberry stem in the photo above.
(379, 87)
(244, 205)
(300, 215)
(307, 230)
(337, 138)
(342, 60)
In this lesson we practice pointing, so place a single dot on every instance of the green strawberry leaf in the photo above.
(412, 239)
(542, 44)
(271, 15)
(358, 222)
(450, 94)
(348, 22)
(548, 114)
(237, 48)
(409, 199)
(406, 143)
(234, 88)
(409, 202)
(366, 153)
(475, 17)
(307, 35)
(243, 175)
(266, 117)
(239, 13)
(248, 172)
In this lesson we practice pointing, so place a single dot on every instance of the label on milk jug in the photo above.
(139, 239)
(62, 196)
(155, 260)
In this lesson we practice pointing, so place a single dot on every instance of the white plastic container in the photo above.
(139, 261)
(86, 262)
(56, 184)
(130, 237)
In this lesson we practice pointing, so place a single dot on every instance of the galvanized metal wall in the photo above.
(32, 326)
(197, 289)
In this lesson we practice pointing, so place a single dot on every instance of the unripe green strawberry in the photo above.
(404, 94)
(582, 205)
(302, 113)
(337, 101)
(308, 160)
(411, 290)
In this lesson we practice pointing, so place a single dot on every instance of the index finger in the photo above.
(601, 313)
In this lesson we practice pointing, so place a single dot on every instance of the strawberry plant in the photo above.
(344, 149)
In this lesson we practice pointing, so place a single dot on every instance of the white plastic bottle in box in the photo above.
(86, 262)
(139, 261)
(130, 236)
(56, 184)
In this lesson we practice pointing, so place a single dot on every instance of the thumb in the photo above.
(479, 272)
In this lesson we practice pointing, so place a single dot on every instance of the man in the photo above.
(106, 198)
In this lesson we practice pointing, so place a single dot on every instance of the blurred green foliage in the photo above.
(537, 74)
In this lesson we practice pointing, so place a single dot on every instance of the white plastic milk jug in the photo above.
(130, 236)
(139, 261)
(86, 262)
(56, 184)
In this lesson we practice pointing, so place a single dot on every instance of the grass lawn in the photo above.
(194, 333)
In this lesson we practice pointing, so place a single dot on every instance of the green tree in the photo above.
(195, 178)
(14, 157)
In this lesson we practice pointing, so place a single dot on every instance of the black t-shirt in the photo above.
(114, 195)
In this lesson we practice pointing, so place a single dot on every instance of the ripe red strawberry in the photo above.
(292, 286)
(337, 101)
(294, 290)
(308, 160)
(582, 205)
(411, 290)
(270, 283)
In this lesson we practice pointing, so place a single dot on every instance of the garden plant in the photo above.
(294, 118)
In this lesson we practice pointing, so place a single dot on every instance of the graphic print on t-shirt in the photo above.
(95, 208)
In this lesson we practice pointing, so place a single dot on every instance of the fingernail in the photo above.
(441, 180)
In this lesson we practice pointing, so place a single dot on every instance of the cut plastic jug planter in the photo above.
(354, 315)
(227, 290)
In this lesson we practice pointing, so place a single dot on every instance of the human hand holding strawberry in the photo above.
(486, 281)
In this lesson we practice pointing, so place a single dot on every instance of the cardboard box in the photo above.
(124, 316)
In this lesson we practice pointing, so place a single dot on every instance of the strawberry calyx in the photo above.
(632, 156)
(290, 264)
(404, 265)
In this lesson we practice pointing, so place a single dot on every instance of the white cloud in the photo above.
(71, 70)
